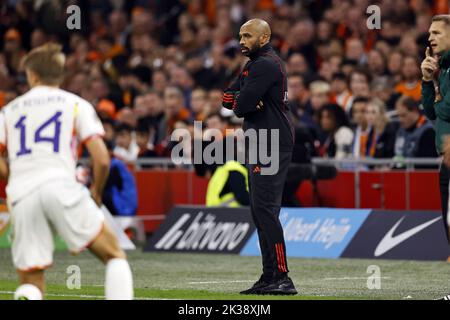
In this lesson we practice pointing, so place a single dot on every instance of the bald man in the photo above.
(259, 95)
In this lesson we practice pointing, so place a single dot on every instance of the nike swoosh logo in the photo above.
(389, 241)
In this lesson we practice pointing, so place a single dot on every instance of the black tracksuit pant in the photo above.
(444, 179)
(266, 192)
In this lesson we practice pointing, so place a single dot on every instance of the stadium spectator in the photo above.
(297, 64)
(159, 81)
(174, 107)
(13, 50)
(339, 136)
(156, 120)
(359, 84)
(214, 100)
(376, 62)
(320, 95)
(120, 193)
(110, 133)
(106, 109)
(141, 109)
(198, 104)
(411, 84)
(381, 138)
(38, 38)
(298, 97)
(146, 149)
(125, 148)
(127, 116)
(355, 51)
(339, 89)
(301, 40)
(395, 65)
(415, 137)
(362, 128)
(383, 89)
(218, 123)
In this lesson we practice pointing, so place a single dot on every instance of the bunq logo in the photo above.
(203, 234)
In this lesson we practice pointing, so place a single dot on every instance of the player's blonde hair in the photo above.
(47, 62)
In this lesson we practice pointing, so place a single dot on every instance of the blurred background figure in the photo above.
(381, 138)
(228, 181)
(126, 147)
(338, 135)
(362, 128)
(120, 194)
(415, 137)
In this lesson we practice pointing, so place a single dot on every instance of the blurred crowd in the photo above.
(152, 66)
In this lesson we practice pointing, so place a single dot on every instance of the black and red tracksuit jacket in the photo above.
(264, 79)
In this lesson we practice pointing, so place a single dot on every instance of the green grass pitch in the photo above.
(201, 276)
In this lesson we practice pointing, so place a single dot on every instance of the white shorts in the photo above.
(62, 207)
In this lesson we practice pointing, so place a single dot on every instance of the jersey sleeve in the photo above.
(2, 132)
(87, 123)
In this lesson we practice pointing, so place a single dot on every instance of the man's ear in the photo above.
(264, 38)
(31, 77)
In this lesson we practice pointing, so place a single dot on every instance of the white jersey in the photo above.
(41, 131)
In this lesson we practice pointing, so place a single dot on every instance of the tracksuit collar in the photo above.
(264, 49)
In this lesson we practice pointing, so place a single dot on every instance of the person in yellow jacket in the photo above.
(228, 186)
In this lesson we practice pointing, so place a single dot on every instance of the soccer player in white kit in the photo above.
(41, 131)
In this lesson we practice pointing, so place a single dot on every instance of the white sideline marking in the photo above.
(83, 296)
(221, 282)
(353, 278)
(250, 281)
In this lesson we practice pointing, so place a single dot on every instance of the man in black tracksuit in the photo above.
(259, 95)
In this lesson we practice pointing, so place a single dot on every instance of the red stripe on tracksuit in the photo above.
(280, 257)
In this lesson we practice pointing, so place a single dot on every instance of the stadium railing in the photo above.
(357, 166)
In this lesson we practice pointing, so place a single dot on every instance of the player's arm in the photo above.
(261, 76)
(4, 168)
(90, 131)
(100, 166)
(428, 98)
(230, 93)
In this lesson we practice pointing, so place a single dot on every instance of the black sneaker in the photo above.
(445, 298)
(261, 283)
(280, 286)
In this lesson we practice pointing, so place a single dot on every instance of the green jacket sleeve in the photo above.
(442, 108)
(428, 97)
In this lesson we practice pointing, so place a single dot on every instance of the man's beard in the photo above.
(251, 51)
